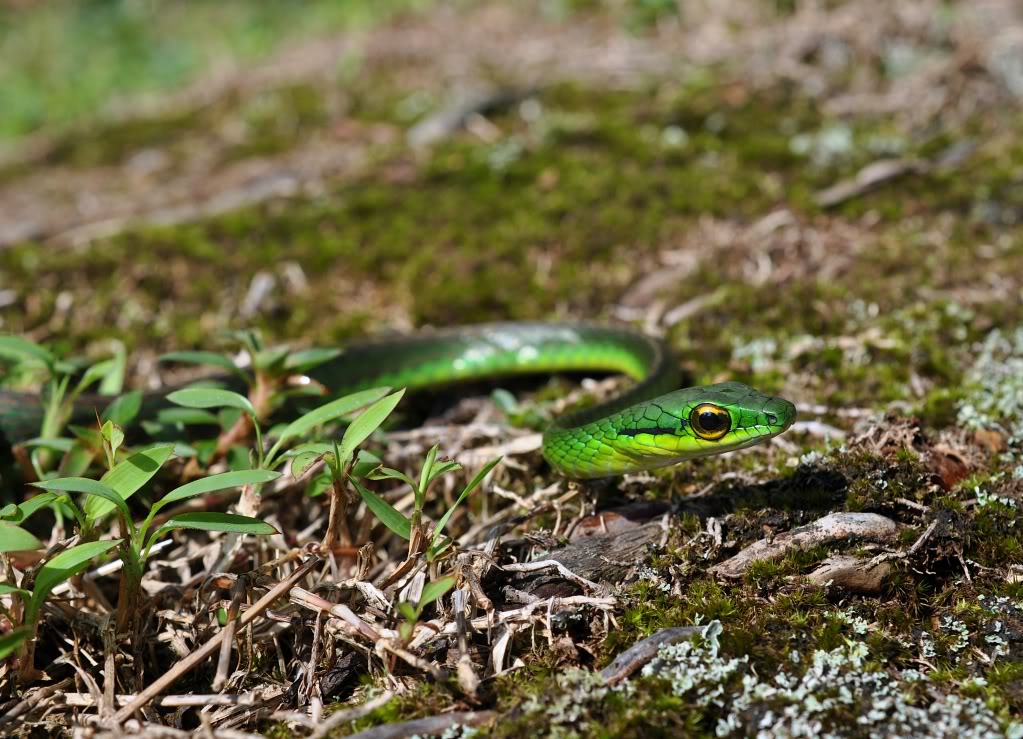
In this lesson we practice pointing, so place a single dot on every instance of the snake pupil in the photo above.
(711, 421)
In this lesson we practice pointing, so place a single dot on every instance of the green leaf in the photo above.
(208, 358)
(304, 360)
(123, 410)
(127, 477)
(13, 639)
(113, 381)
(87, 487)
(328, 412)
(215, 483)
(303, 461)
(473, 484)
(386, 473)
(268, 359)
(426, 475)
(56, 445)
(410, 612)
(64, 566)
(114, 437)
(208, 397)
(187, 417)
(7, 589)
(15, 539)
(505, 401)
(21, 350)
(318, 484)
(22, 511)
(367, 422)
(442, 469)
(388, 514)
(95, 373)
(435, 590)
(209, 521)
(77, 460)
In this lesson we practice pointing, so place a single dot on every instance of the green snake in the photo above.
(651, 424)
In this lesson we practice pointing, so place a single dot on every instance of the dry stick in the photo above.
(238, 590)
(923, 537)
(195, 658)
(30, 702)
(430, 725)
(86, 700)
(336, 719)
(643, 651)
(547, 564)
(827, 530)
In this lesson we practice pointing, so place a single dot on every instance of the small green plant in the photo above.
(64, 382)
(138, 540)
(50, 574)
(412, 527)
(412, 612)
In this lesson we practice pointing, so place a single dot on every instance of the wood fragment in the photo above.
(335, 720)
(426, 726)
(870, 177)
(640, 653)
(856, 575)
(836, 527)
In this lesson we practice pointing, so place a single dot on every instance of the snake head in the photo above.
(684, 424)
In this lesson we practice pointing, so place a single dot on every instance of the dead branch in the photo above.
(836, 527)
(643, 651)
(427, 726)
(852, 573)
(198, 656)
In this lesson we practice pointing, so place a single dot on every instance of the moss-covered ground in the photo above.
(686, 201)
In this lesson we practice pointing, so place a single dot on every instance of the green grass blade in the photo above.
(435, 590)
(388, 514)
(473, 484)
(215, 483)
(7, 589)
(22, 350)
(305, 360)
(203, 358)
(210, 521)
(65, 565)
(128, 477)
(367, 422)
(13, 639)
(87, 487)
(124, 409)
(23, 511)
(210, 397)
(328, 412)
(15, 539)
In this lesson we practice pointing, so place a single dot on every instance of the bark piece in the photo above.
(836, 527)
(852, 573)
(643, 651)
(609, 558)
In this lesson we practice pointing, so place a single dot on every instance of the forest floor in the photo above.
(823, 200)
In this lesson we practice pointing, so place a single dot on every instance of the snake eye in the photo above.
(709, 421)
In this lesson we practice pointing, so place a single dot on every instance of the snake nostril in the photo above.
(772, 419)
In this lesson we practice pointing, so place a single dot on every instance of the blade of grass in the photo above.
(383, 510)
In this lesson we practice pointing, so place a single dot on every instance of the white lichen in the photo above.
(994, 395)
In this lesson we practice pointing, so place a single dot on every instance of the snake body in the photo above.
(651, 424)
